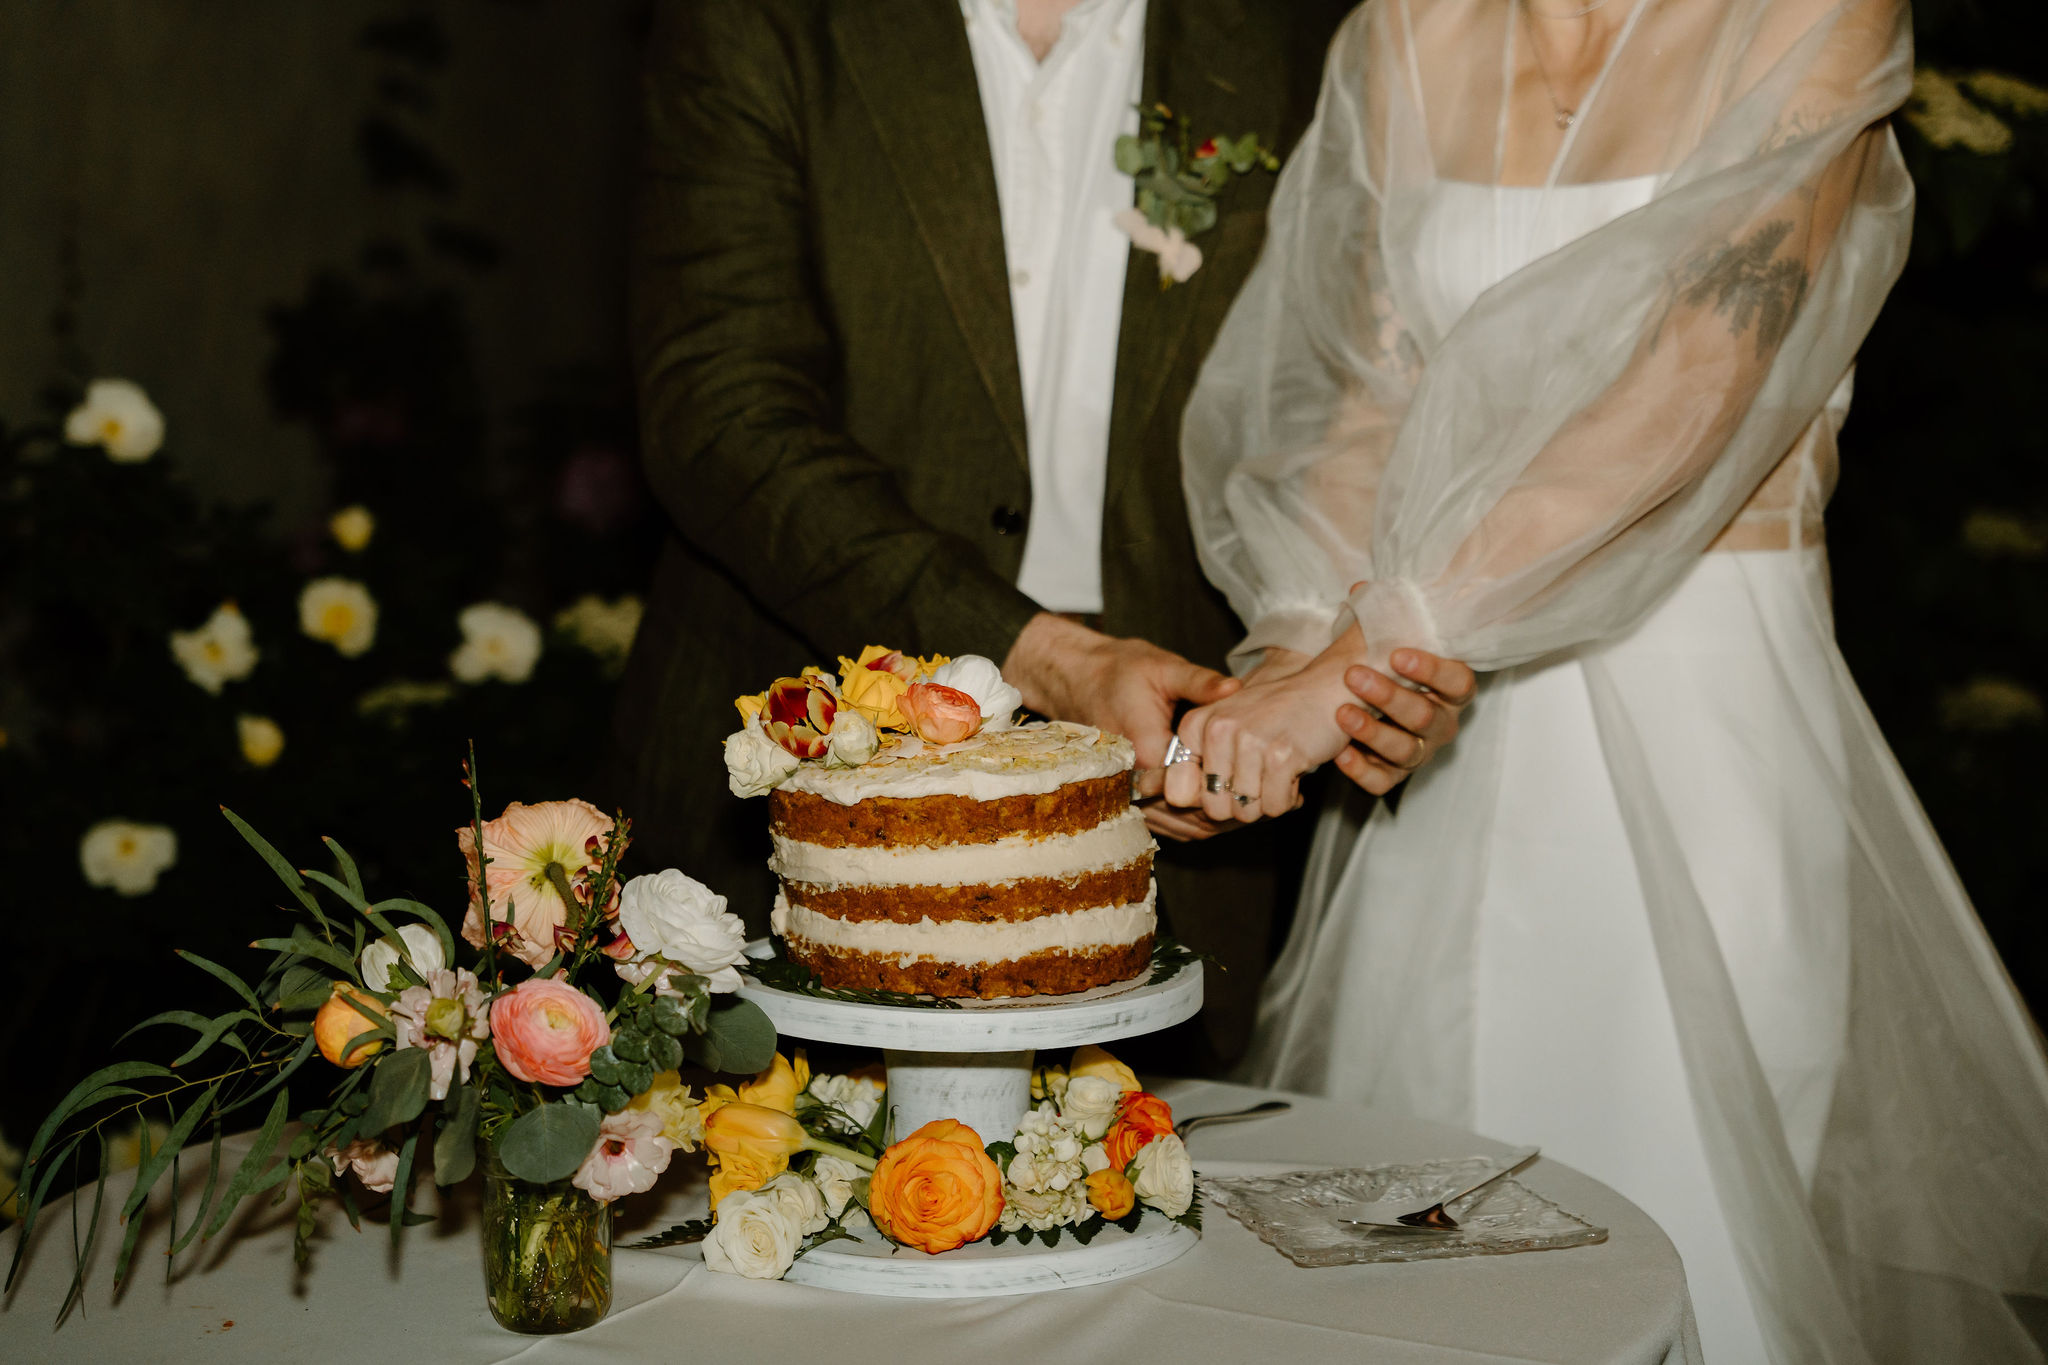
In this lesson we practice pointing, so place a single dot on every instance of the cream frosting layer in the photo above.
(972, 944)
(1116, 842)
(1029, 760)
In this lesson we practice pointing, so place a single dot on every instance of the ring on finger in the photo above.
(1241, 798)
(1214, 782)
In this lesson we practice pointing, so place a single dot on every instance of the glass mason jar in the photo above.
(547, 1253)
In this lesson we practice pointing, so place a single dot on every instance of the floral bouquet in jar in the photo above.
(547, 1048)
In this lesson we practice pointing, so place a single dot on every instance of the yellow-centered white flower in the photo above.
(127, 857)
(262, 740)
(352, 528)
(118, 417)
(341, 612)
(604, 628)
(497, 642)
(221, 651)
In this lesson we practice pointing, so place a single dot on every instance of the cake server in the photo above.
(1408, 1215)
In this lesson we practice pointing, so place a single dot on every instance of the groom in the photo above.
(902, 382)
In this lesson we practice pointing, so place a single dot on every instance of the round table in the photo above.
(1230, 1299)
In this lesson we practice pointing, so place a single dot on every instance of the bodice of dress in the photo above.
(1475, 235)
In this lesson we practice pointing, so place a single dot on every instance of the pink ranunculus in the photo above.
(940, 714)
(546, 1030)
(375, 1165)
(521, 844)
(630, 1154)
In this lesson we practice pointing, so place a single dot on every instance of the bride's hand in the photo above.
(1256, 745)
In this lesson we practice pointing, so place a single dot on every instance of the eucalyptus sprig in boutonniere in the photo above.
(1178, 182)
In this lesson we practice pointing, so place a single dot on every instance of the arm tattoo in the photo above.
(1750, 285)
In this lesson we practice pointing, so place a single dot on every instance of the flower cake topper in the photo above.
(1178, 183)
(843, 721)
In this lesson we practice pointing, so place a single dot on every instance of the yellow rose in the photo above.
(927, 667)
(669, 1100)
(874, 693)
(1093, 1061)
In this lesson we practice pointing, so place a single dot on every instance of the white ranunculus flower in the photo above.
(1040, 1210)
(497, 642)
(853, 740)
(341, 612)
(982, 680)
(803, 1201)
(220, 651)
(422, 949)
(835, 1176)
(126, 856)
(117, 416)
(755, 764)
(1163, 1174)
(1090, 1105)
(754, 1236)
(685, 924)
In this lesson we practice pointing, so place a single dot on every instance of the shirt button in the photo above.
(1021, 278)
(1008, 521)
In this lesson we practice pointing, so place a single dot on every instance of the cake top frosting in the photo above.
(1027, 760)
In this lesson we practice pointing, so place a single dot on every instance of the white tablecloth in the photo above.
(1230, 1299)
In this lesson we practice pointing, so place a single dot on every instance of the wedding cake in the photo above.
(925, 843)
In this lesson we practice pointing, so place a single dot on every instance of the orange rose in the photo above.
(348, 1013)
(937, 1189)
(940, 714)
(1140, 1118)
(1110, 1192)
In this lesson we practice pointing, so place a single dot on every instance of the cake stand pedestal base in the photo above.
(990, 1092)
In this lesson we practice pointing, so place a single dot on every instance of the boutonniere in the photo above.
(1178, 181)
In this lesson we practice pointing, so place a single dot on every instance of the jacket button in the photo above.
(1008, 521)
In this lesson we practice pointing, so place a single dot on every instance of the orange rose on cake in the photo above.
(936, 1190)
(940, 714)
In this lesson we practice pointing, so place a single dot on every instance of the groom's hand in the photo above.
(1399, 729)
(1127, 687)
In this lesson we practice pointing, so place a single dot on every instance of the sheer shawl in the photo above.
(1536, 473)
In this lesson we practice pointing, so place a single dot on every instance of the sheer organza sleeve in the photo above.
(1542, 473)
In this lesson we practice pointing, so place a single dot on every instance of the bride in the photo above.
(1543, 369)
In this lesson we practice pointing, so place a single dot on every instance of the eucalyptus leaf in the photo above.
(664, 1053)
(455, 1146)
(737, 1038)
(604, 1065)
(1130, 155)
(401, 1187)
(547, 1144)
(398, 1091)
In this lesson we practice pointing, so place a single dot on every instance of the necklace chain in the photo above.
(1565, 117)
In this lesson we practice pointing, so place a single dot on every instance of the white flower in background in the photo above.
(629, 1157)
(221, 651)
(2009, 93)
(497, 642)
(1947, 117)
(982, 680)
(2001, 535)
(394, 702)
(446, 1016)
(604, 628)
(753, 1237)
(1179, 258)
(422, 950)
(126, 856)
(855, 1096)
(1041, 1210)
(755, 764)
(835, 1176)
(1048, 1152)
(1991, 704)
(352, 528)
(1090, 1105)
(801, 1200)
(675, 922)
(374, 1164)
(261, 738)
(853, 740)
(1163, 1174)
(341, 612)
(118, 416)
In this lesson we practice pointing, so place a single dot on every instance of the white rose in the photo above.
(497, 642)
(125, 856)
(422, 949)
(835, 1176)
(803, 1202)
(753, 1237)
(681, 921)
(1163, 1174)
(755, 764)
(220, 651)
(118, 416)
(980, 679)
(853, 741)
(1090, 1105)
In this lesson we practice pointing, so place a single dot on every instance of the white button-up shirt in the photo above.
(1052, 129)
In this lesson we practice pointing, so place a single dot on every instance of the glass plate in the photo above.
(1296, 1214)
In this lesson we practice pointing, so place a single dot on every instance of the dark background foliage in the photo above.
(444, 350)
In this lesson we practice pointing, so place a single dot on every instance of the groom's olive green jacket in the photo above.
(831, 410)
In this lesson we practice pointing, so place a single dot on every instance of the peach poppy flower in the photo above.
(526, 907)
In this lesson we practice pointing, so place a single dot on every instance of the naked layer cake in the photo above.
(1009, 862)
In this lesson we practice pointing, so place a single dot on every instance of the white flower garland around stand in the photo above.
(974, 1064)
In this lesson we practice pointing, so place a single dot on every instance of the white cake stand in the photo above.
(974, 1064)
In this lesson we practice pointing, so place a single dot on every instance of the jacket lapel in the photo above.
(910, 62)
(1194, 68)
